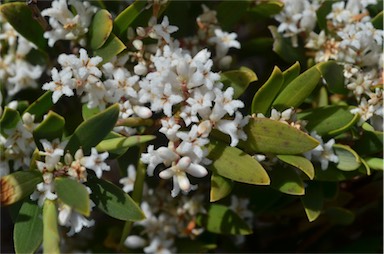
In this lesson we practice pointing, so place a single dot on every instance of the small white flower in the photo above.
(96, 162)
(164, 30)
(323, 153)
(129, 181)
(224, 41)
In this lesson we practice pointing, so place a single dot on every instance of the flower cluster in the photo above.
(297, 17)
(58, 164)
(65, 25)
(183, 88)
(169, 219)
(17, 144)
(16, 72)
(351, 39)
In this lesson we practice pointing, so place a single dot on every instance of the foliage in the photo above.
(274, 136)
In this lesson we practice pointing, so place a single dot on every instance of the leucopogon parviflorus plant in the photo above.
(127, 127)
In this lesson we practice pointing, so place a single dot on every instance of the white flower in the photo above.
(323, 153)
(160, 246)
(61, 84)
(151, 158)
(135, 242)
(164, 30)
(96, 162)
(70, 218)
(170, 128)
(65, 25)
(43, 191)
(224, 41)
(129, 181)
(240, 206)
(52, 151)
(234, 128)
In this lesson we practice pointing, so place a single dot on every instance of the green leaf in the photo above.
(220, 187)
(291, 73)
(89, 112)
(313, 200)
(375, 163)
(20, 16)
(322, 12)
(110, 48)
(51, 241)
(73, 194)
(126, 17)
(269, 136)
(9, 119)
(100, 28)
(18, 185)
(334, 76)
(186, 245)
(264, 97)
(364, 168)
(50, 128)
(113, 201)
(238, 79)
(235, 164)
(221, 220)
(370, 142)
(299, 162)
(349, 160)
(283, 47)
(229, 12)
(90, 132)
(118, 146)
(333, 174)
(329, 120)
(267, 8)
(339, 215)
(298, 90)
(41, 106)
(377, 21)
(287, 181)
(28, 230)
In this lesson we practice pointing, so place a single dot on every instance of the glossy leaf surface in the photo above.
(9, 119)
(235, 164)
(90, 132)
(110, 48)
(50, 128)
(269, 136)
(299, 162)
(238, 79)
(298, 90)
(126, 17)
(51, 240)
(220, 187)
(221, 220)
(28, 230)
(41, 106)
(20, 16)
(73, 194)
(264, 97)
(100, 28)
(330, 120)
(313, 200)
(287, 181)
(348, 159)
(333, 74)
(18, 185)
(118, 146)
(113, 201)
